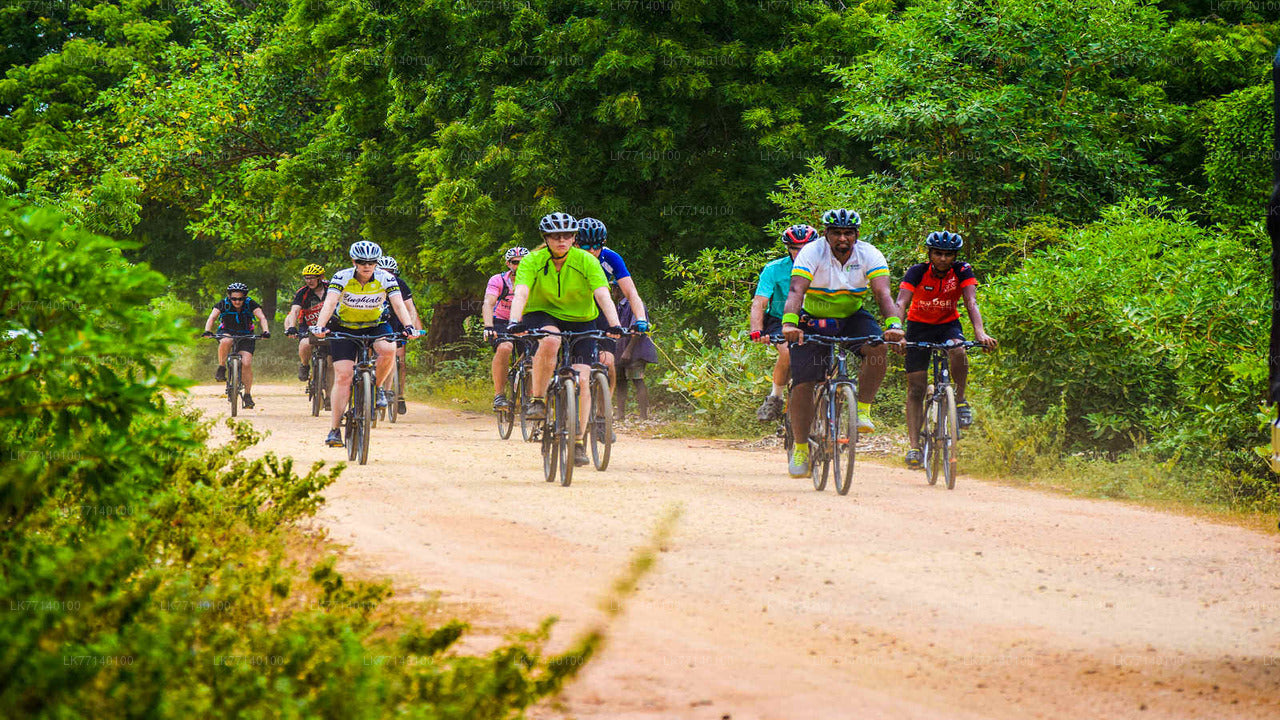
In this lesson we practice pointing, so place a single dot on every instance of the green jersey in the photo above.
(567, 294)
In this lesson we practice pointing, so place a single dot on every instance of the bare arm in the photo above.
(758, 305)
(605, 301)
(326, 312)
(401, 310)
(262, 318)
(880, 289)
(628, 288)
(904, 302)
(486, 311)
(975, 316)
(520, 298)
(213, 315)
(795, 303)
(291, 320)
(413, 311)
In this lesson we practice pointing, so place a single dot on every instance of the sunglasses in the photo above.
(513, 263)
(237, 299)
(590, 247)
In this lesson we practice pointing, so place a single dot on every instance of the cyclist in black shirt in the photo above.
(236, 313)
(388, 263)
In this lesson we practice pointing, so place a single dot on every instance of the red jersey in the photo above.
(310, 301)
(934, 299)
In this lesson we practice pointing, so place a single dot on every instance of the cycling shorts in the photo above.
(917, 359)
(810, 361)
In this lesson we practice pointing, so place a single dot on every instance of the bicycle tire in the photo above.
(845, 447)
(365, 428)
(601, 427)
(567, 428)
(928, 433)
(549, 450)
(950, 436)
(528, 428)
(233, 384)
(349, 421)
(819, 460)
(315, 389)
(393, 403)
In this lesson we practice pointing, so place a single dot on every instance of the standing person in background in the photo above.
(388, 263)
(767, 308)
(237, 312)
(496, 311)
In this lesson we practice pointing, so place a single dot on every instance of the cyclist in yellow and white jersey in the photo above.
(353, 306)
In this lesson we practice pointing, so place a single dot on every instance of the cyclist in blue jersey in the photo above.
(592, 235)
(767, 308)
(237, 312)
(388, 263)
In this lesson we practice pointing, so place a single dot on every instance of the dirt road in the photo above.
(774, 601)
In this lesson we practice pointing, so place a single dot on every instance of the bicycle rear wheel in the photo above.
(950, 430)
(233, 383)
(550, 453)
(393, 404)
(601, 428)
(845, 447)
(566, 428)
(819, 457)
(364, 419)
(528, 428)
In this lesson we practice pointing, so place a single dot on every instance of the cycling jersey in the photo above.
(775, 284)
(310, 301)
(568, 293)
(236, 320)
(501, 286)
(614, 268)
(934, 299)
(836, 290)
(388, 313)
(360, 305)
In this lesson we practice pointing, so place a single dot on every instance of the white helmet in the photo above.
(386, 262)
(365, 250)
(558, 222)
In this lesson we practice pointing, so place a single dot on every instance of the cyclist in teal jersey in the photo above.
(767, 308)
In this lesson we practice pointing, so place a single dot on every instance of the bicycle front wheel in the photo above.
(601, 428)
(845, 447)
(947, 437)
(550, 453)
(520, 396)
(393, 405)
(233, 384)
(364, 417)
(566, 428)
(315, 388)
(350, 424)
(819, 442)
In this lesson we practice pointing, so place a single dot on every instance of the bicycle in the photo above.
(519, 376)
(394, 388)
(939, 429)
(559, 430)
(318, 383)
(359, 418)
(833, 434)
(234, 385)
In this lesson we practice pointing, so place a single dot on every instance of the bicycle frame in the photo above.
(360, 408)
(940, 437)
(232, 363)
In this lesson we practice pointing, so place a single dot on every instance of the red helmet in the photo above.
(799, 235)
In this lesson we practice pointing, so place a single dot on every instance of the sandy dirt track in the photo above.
(774, 601)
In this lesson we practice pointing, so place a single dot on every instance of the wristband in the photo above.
(893, 322)
(791, 318)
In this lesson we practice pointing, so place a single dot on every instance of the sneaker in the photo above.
(334, 439)
(248, 401)
(864, 418)
(537, 410)
(964, 415)
(915, 459)
(382, 398)
(580, 454)
(304, 372)
(220, 374)
(401, 408)
(500, 402)
(799, 466)
(771, 409)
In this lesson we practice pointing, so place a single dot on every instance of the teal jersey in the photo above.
(775, 284)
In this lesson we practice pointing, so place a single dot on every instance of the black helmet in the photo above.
(841, 218)
(943, 240)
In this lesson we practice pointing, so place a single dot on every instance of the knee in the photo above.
(246, 360)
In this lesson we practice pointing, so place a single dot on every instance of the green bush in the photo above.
(1134, 325)
(146, 574)
(1238, 158)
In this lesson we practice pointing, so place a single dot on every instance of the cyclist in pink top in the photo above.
(497, 310)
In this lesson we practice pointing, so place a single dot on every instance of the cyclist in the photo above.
(388, 263)
(592, 235)
(928, 296)
(353, 306)
(767, 308)
(828, 283)
(495, 312)
(304, 310)
(561, 287)
(235, 314)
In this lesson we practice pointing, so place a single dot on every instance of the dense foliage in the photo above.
(145, 574)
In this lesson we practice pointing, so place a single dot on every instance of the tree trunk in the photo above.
(270, 291)
(445, 328)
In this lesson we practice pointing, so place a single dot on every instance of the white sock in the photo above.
(779, 390)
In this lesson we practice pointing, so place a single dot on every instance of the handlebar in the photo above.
(222, 336)
(833, 339)
(334, 335)
(939, 346)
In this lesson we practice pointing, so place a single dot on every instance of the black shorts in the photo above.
(772, 325)
(521, 344)
(917, 359)
(244, 345)
(350, 349)
(809, 361)
(583, 350)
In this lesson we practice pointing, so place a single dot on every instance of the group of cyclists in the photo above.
(820, 287)
(573, 283)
